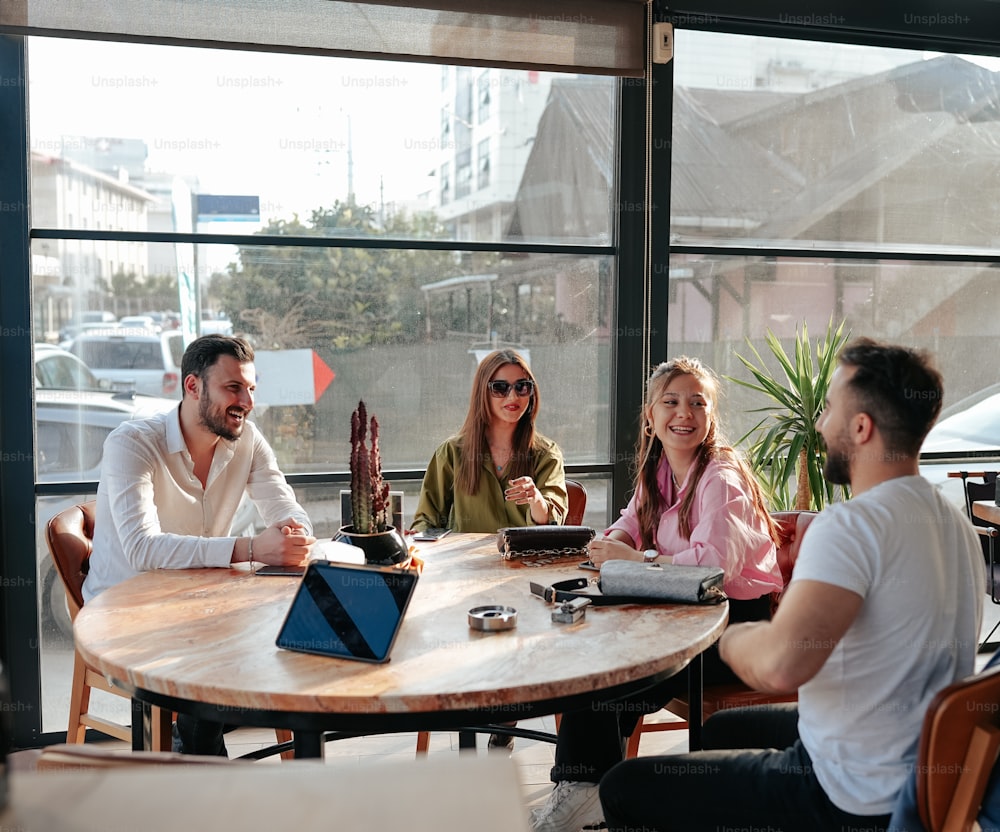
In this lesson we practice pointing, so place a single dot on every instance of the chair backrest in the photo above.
(577, 502)
(792, 527)
(958, 749)
(70, 535)
(985, 490)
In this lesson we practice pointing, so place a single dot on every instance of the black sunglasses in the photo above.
(500, 388)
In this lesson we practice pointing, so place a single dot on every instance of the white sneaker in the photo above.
(570, 807)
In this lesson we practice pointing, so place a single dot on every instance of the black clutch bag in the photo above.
(544, 543)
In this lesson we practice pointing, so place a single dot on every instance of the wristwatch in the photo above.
(650, 555)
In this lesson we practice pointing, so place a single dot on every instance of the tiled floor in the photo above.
(533, 757)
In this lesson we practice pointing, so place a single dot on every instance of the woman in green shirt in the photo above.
(497, 471)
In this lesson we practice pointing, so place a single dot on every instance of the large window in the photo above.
(884, 159)
(338, 247)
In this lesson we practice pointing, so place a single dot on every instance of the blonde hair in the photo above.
(472, 436)
(650, 452)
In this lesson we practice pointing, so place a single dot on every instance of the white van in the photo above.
(136, 359)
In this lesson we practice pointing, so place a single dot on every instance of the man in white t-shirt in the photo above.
(883, 610)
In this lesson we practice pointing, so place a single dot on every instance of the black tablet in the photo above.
(348, 611)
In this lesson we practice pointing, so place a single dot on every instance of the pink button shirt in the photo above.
(725, 530)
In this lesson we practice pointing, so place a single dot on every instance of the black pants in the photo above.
(199, 736)
(767, 784)
(590, 742)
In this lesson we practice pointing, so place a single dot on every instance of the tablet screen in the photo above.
(347, 611)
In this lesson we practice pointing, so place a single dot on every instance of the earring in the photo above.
(648, 429)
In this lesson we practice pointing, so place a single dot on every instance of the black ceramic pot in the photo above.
(381, 548)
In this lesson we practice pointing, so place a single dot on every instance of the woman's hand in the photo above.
(609, 548)
(523, 491)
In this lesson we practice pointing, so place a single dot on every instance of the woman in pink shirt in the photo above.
(695, 502)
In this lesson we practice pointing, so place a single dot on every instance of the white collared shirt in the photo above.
(152, 512)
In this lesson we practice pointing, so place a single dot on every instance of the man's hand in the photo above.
(784, 653)
(285, 543)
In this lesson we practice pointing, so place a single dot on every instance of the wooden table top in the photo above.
(207, 635)
(986, 510)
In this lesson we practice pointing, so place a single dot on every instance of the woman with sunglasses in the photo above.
(695, 502)
(497, 471)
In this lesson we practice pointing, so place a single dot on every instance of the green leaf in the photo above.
(794, 403)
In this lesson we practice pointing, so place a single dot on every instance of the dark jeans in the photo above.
(199, 736)
(759, 787)
(590, 742)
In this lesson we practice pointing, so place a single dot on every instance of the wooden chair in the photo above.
(574, 517)
(70, 538)
(958, 750)
(792, 525)
(70, 535)
(577, 502)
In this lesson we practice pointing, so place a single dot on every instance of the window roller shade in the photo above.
(592, 36)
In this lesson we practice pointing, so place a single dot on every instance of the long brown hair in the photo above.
(472, 436)
(650, 451)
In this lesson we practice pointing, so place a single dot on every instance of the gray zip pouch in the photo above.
(662, 582)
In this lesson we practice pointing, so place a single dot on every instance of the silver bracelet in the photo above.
(253, 569)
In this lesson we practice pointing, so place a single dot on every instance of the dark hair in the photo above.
(898, 387)
(203, 352)
(472, 436)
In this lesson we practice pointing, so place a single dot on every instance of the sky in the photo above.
(278, 126)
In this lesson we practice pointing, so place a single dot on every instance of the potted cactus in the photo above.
(371, 526)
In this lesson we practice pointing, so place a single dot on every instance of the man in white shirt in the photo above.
(883, 610)
(170, 486)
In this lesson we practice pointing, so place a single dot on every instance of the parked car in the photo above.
(57, 368)
(139, 322)
(969, 426)
(86, 320)
(215, 323)
(147, 361)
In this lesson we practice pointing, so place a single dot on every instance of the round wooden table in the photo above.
(202, 641)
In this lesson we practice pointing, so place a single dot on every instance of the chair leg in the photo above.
(161, 726)
(79, 701)
(423, 742)
(632, 745)
(282, 735)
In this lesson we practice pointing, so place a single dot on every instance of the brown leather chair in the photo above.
(958, 749)
(577, 502)
(792, 526)
(70, 537)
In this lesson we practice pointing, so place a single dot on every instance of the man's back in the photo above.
(917, 564)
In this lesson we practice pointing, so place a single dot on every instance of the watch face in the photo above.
(650, 555)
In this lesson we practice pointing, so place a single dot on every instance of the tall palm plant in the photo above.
(785, 447)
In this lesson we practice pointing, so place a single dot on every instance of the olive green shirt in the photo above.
(441, 505)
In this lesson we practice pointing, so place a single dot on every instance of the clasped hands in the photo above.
(285, 543)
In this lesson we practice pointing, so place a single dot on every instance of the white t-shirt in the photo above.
(917, 563)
